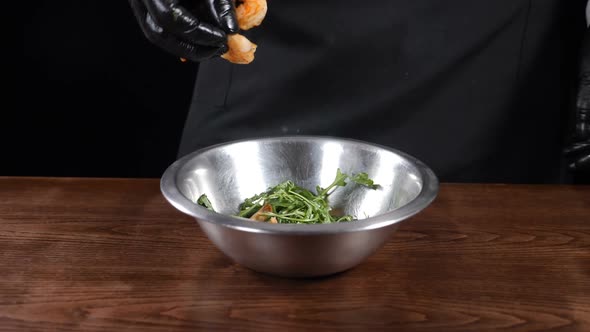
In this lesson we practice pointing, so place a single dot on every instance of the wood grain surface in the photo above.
(113, 255)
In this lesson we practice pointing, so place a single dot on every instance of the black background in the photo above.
(96, 98)
(99, 99)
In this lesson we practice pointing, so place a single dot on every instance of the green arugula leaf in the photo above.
(293, 204)
(205, 202)
(363, 179)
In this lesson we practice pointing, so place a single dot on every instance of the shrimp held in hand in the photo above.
(250, 13)
(241, 50)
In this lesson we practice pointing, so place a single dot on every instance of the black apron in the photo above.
(471, 87)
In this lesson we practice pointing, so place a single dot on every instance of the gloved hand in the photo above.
(196, 32)
(578, 152)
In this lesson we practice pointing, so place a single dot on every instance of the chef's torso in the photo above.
(446, 81)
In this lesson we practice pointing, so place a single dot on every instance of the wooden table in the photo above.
(113, 255)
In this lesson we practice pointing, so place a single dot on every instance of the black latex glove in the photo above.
(578, 152)
(195, 32)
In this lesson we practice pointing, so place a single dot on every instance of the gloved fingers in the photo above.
(192, 52)
(175, 19)
(206, 34)
(150, 29)
(224, 13)
(220, 13)
(188, 50)
(579, 155)
(140, 13)
(156, 34)
(577, 148)
(582, 163)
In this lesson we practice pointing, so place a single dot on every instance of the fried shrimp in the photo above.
(249, 13)
(241, 50)
(260, 215)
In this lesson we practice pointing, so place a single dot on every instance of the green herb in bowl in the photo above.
(288, 203)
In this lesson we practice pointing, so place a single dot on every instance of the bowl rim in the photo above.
(170, 191)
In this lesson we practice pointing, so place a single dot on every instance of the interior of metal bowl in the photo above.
(229, 173)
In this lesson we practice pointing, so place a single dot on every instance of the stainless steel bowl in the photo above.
(230, 172)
